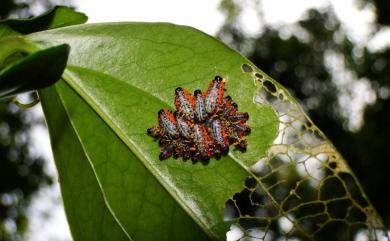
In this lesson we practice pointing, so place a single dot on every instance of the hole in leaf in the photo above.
(353, 189)
(333, 165)
(244, 204)
(250, 182)
(306, 192)
(269, 86)
(291, 202)
(248, 223)
(335, 231)
(338, 208)
(258, 197)
(246, 68)
(309, 209)
(258, 75)
(230, 212)
(332, 188)
(311, 224)
(356, 215)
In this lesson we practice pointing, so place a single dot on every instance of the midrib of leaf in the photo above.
(68, 77)
(92, 167)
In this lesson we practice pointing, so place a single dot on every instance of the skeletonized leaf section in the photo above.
(302, 189)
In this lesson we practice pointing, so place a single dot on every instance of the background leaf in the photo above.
(120, 75)
(57, 17)
(35, 71)
(23, 69)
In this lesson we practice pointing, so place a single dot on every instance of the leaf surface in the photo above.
(84, 201)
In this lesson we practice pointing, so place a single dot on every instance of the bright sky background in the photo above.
(204, 14)
(201, 14)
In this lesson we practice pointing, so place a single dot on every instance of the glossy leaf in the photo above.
(119, 75)
(126, 82)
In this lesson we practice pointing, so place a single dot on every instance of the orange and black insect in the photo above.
(204, 125)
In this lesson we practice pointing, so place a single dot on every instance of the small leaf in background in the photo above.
(35, 71)
(57, 17)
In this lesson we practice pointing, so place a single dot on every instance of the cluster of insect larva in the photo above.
(203, 126)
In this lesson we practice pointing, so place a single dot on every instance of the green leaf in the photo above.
(119, 75)
(35, 71)
(59, 16)
(125, 75)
